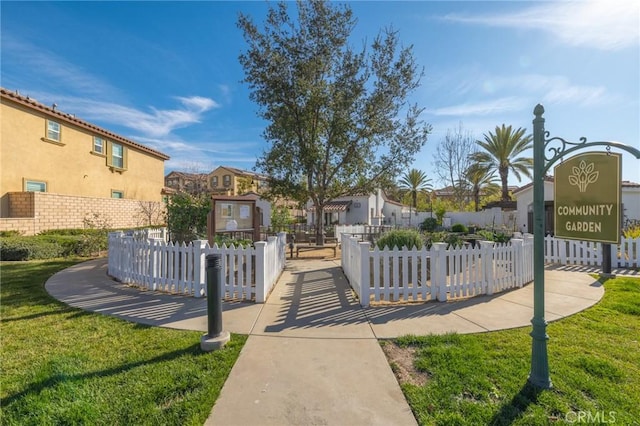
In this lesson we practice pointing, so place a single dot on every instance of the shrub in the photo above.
(72, 231)
(429, 224)
(436, 237)
(454, 241)
(486, 235)
(400, 238)
(10, 233)
(459, 227)
(632, 231)
(500, 237)
(29, 248)
(223, 239)
(51, 245)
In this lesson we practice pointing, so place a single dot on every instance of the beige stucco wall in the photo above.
(46, 211)
(69, 169)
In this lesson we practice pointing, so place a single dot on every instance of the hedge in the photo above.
(400, 238)
(51, 246)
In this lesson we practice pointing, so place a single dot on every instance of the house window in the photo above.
(53, 131)
(117, 194)
(116, 156)
(214, 181)
(98, 145)
(35, 186)
(227, 180)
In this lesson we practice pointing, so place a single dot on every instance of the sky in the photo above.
(166, 74)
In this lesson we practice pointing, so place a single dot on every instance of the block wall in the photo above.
(34, 212)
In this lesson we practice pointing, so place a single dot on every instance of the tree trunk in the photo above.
(476, 197)
(319, 227)
(504, 174)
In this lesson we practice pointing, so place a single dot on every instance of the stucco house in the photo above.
(193, 183)
(365, 209)
(227, 180)
(56, 170)
(524, 198)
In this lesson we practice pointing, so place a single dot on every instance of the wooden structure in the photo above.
(237, 216)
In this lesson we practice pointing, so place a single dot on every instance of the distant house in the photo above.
(57, 170)
(193, 183)
(365, 209)
(524, 198)
(227, 180)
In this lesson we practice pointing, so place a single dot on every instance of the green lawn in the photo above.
(62, 365)
(594, 362)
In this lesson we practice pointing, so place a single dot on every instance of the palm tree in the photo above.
(480, 180)
(503, 149)
(413, 182)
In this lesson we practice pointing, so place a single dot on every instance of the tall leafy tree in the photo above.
(338, 118)
(503, 152)
(415, 182)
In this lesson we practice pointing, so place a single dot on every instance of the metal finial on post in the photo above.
(538, 111)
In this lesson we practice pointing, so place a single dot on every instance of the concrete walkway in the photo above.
(313, 357)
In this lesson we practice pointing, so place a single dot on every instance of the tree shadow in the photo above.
(511, 411)
(74, 313)
(37, 387)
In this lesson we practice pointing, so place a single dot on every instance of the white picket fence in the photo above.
(438, 273)
(570, 252)
(153, 264)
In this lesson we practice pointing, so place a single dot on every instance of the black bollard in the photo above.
(292, 244)
(606, 259)
(214, 294)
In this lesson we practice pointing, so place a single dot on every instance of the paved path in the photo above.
(312, 357)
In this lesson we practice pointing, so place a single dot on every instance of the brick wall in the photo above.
(34, 212)
(21, 204)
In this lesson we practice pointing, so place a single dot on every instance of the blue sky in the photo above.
(166, 74)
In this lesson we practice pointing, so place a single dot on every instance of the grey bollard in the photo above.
(216, 338)
(214, 294)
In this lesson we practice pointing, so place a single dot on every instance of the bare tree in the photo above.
(151, 212)
(196, 178)
(451, 160)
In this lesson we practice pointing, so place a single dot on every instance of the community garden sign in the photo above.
(585, 208)
(587, 197)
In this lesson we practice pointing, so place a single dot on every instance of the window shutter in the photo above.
(125, 153)
(109, 155)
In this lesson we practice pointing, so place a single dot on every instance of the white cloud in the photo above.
(555, 89)
(51, 70)
(154, 124)
(606, 25)
(495, 106)
(199, 103)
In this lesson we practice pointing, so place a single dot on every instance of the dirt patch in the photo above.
(401, 361)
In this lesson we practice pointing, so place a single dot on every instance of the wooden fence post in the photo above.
(439, 277)
(261, 276)
(364, 274)
(486, 249)
(199, 274)
(518, 261)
